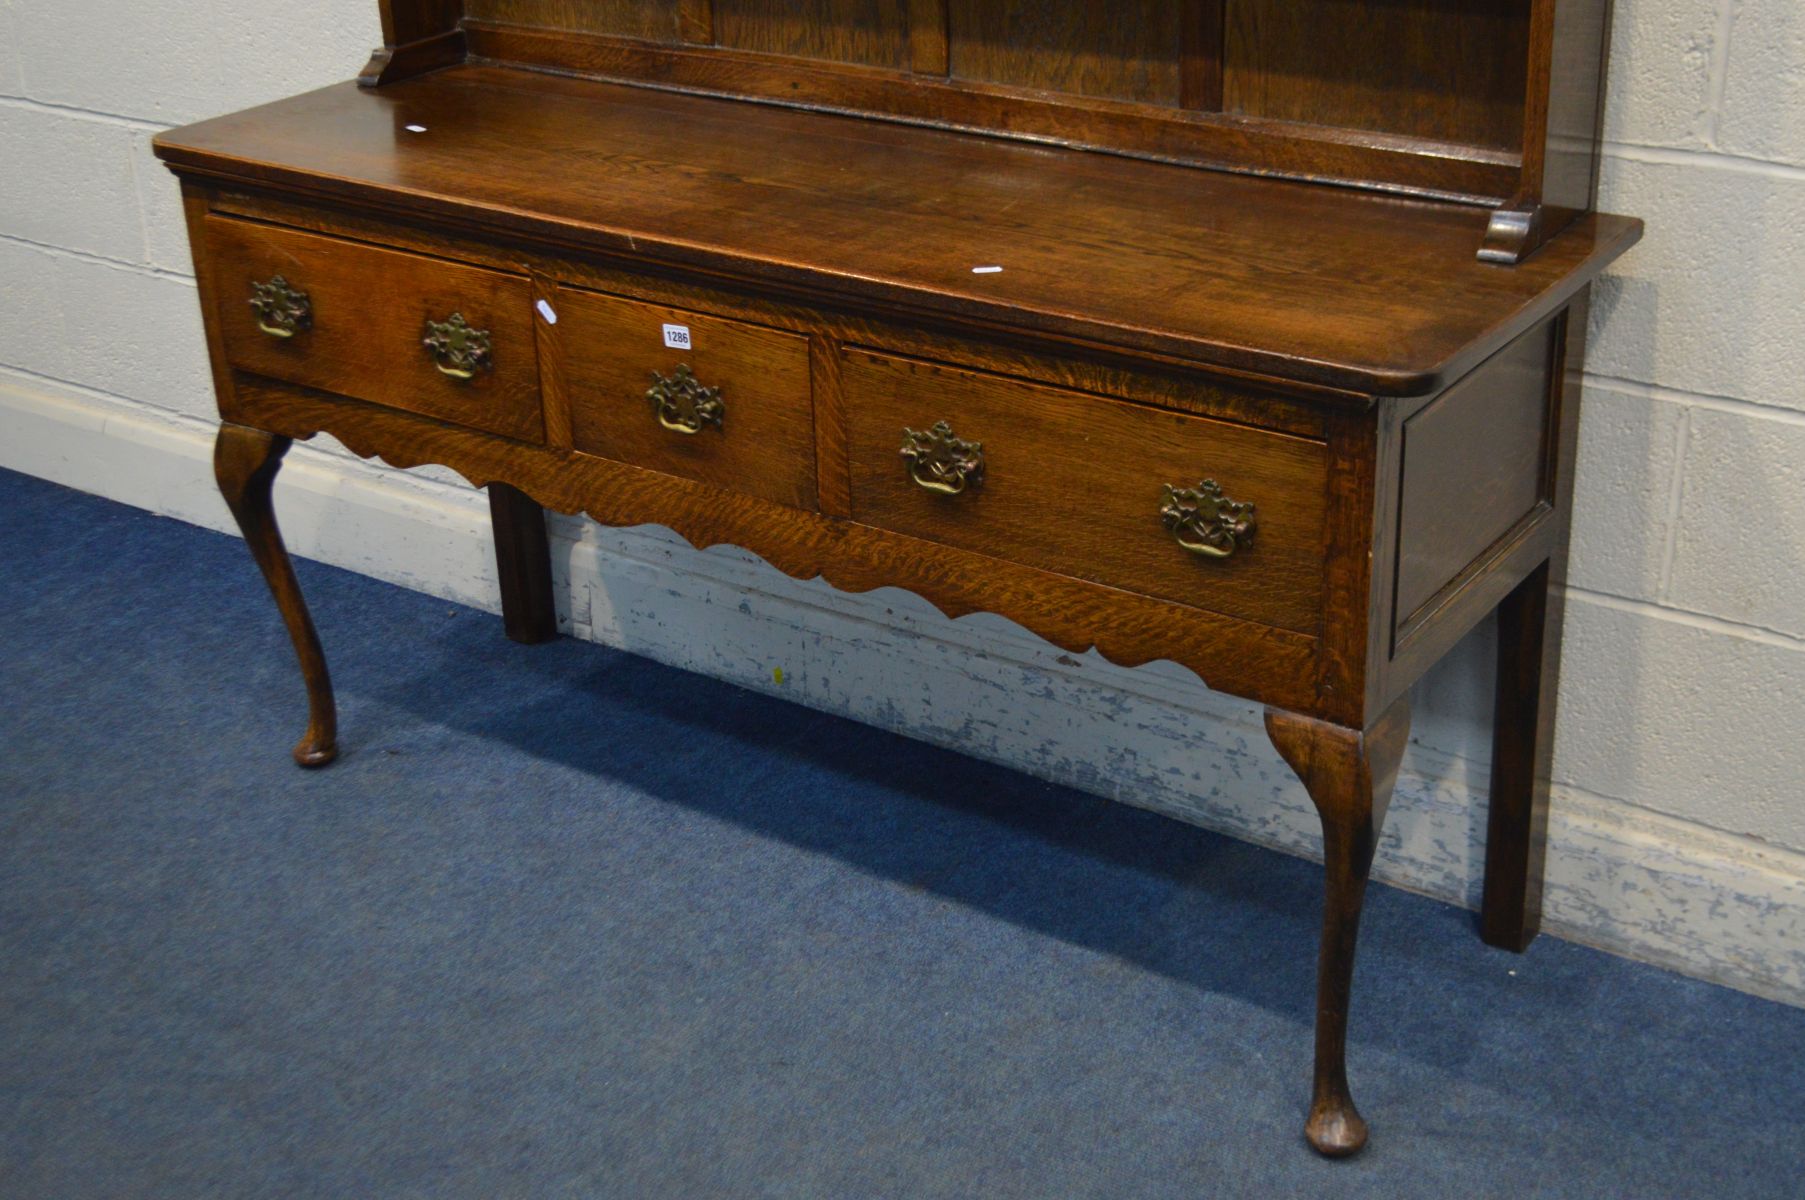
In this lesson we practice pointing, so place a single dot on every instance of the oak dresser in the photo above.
(1242, 333)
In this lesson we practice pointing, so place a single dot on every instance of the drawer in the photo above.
(1077, 484)
(353, 319)
(729, 404)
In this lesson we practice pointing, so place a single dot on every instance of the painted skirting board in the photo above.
(1619, 877)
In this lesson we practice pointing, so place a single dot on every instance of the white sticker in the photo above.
(987, 270)
(548, 312)
(677, 337)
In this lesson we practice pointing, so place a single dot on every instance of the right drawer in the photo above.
(1089, 487)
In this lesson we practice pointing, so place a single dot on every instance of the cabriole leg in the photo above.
(1349, 775)
(245, 461)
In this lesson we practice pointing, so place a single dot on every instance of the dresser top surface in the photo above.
(1293, 281)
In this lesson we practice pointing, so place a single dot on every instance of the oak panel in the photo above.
(1073, 485)
(406, 21)
(1394, 162)
(656, 20)
(1125, 51)
(1474, 467)
(927, 36)
(869, 32)
(370, 308)
(1452, 70)
(765, 443)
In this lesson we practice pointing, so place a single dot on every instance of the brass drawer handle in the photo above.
(458, 350)
(1205, 522)
(941, 462)
(683, 404)
(281, 310)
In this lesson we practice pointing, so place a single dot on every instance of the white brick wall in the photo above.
(167, 62)
(10, 84)
(1679, 749)
(1763, 111)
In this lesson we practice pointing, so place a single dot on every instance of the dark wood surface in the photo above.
(405, 21)
(245, 462)
(1361, 292)
(1419, 638)
(1528, 679)
(1288, 407)
(765, 443)
(1497, 102)
(1120, 51)
(418, 36)
(869, 32)
(369, 313)
(1349, 774)
(1439, 98)
(1522, 747)
(929, 36)
(1232, 142)
(1073, 484)
(654, 20)
(1451, 72)
(1473, 467)
(529, 609)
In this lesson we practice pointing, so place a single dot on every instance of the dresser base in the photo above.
(1298, 444)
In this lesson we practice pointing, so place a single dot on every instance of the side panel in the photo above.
(1473, 468)
(1482, 500)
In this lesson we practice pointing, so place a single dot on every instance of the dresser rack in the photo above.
(1242, 333)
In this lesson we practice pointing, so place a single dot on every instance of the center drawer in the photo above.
(1134, 497)
(357, 320)
(722, 402)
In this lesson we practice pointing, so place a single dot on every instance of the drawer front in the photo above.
(718, 401)
(353, 319)
(1077, 484)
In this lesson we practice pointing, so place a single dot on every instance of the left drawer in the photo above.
(437, 338)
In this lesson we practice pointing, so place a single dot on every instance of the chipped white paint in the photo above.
(1677, 833)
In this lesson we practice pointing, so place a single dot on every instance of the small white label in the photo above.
(677, 337)
(987, 270)
(548, 312)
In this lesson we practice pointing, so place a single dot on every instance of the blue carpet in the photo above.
(563, 922)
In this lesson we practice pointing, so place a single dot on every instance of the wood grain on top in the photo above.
(1294, 281)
